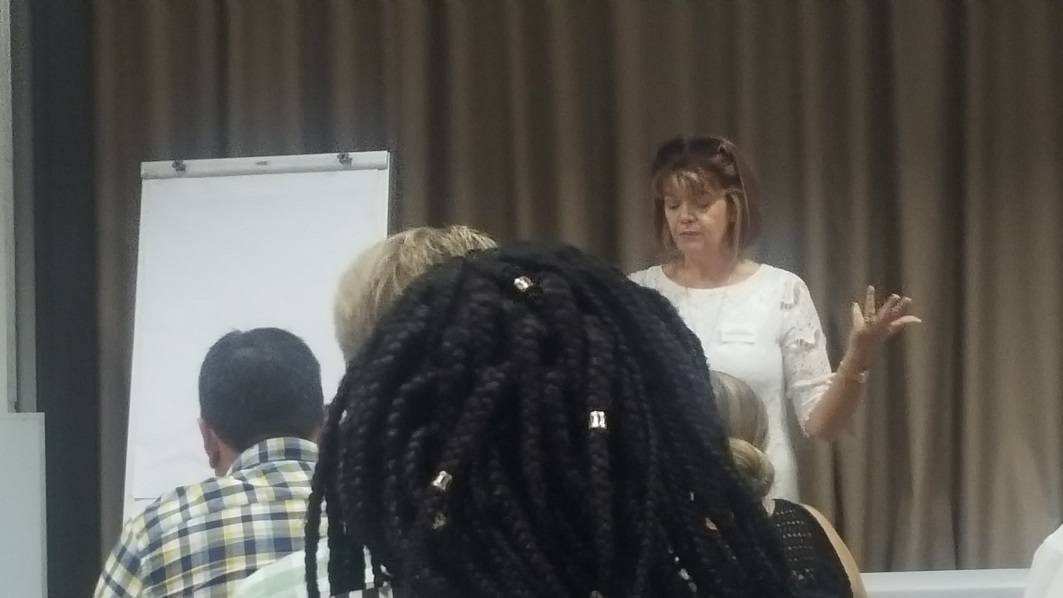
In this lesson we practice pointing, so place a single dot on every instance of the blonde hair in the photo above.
(380, 273)
(746, 421)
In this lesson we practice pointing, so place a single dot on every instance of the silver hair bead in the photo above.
(439, 521)
(598, 420)
(442, 481)
(523, 283)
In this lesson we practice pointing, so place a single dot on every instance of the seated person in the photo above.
(380, 273)
(369, 286)
(529, 422)
(820, 561)
(1046, 571)
(261, 408)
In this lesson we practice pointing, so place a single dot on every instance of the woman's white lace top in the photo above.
(764, 330)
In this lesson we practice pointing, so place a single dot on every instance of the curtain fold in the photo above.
(914, 145)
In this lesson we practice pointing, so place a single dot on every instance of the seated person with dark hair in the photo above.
(261, 408)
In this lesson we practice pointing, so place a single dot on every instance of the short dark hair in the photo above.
(259, 384)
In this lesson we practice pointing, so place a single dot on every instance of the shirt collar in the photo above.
(288, 448)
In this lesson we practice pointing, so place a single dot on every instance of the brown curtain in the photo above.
(916, 145)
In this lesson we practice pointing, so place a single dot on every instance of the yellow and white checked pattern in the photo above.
(203, 539)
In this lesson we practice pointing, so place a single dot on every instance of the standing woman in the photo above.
(755, 322)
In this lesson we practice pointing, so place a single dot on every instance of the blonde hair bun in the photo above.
(753, 464)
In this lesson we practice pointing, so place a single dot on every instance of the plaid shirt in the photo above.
(203, 539)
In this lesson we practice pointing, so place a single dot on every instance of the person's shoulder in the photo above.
(790, 289)
(143, 532)
(285, 576)
(825, 524)
(780, 276)
(845, 556)
(1046, 571)
(651, 277)
(819, 517)
(176, 507)
(1054, 542)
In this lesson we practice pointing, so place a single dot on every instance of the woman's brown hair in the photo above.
(706, 165)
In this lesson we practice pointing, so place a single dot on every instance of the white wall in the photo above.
(22, 506)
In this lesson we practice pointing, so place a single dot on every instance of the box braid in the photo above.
(467, 450)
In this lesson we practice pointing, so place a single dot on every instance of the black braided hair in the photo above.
(466, 453)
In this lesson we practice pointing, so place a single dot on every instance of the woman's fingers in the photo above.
(869, 302)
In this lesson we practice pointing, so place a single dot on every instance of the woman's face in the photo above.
(698, 220)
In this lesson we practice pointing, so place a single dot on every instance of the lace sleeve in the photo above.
(806, 367)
